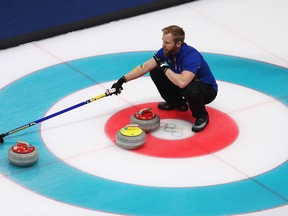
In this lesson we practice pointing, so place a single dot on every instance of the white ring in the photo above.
(79, 139)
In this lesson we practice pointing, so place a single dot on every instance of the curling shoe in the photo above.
(200, 124)
(182, 107)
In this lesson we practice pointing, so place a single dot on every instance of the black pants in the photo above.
(196, 93)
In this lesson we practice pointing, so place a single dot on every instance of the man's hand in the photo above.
(118, 85)
(161, 65)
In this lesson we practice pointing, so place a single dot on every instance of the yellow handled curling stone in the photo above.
(130, 137)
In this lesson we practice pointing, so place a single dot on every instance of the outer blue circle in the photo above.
(29, 98)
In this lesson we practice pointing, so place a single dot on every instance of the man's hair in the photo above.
(176, 31)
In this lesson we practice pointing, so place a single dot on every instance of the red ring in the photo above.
(219, 133)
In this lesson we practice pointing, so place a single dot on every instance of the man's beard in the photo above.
(170, 52)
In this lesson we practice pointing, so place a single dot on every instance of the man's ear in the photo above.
(178, 44)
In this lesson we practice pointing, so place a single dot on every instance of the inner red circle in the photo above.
(219, 133)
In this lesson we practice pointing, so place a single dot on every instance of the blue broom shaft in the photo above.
(53, 115)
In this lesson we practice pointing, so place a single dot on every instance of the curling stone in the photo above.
(146, 119)
(23, 154)
(130, 137)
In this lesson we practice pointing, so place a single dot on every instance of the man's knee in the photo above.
(153, 73)
(191, 91)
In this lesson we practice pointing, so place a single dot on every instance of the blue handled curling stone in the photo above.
(23, 154)
(146, 119)
(130, 137)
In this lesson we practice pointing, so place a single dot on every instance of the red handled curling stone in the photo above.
(146, 119)
(23, 154)
(130, 137)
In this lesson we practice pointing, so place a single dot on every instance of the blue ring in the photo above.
(31, 97)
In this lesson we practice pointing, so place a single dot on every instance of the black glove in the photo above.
(161, 65)
(118, 85)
